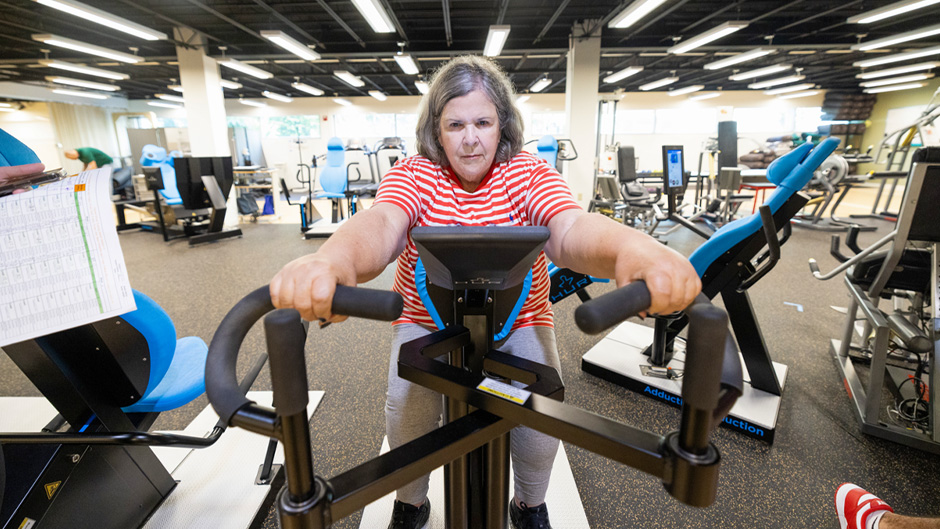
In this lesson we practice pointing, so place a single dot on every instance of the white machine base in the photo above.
(619, 355)
(322, 228)
(562, 499)
(216, 485)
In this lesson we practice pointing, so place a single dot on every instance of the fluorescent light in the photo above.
(62, 42)
(164, 105)
(896, 80)
(704, 95)
(251, 103)
(659, 83)
(522, 99)
(788, 89)
(349, 78)
(407, 64)
(175, 88)
(246, 68)
(83, 84)
(540, 85)
(886, 42)
(169, 97)
(774, 82)
(307, 88)
(6, 105)
(87, 70)
(893, 88)
(378, 95)
(341, 101)
(686, 90)
(232, 85)
(495, 40)
(898, 57)
(77, 93)
(709, 36)
(277, 97)
(91, 14)
(899, 70)
(796, 95)
(422, 86)
(8, 109)
(739, 58)
(285, 41)
(623, 74)
(760, 72)
(633, 13)
(890, 10)
(374, 15)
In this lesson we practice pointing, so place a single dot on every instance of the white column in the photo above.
(205, 104)
(584, 57)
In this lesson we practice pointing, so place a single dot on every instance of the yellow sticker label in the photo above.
(504, 391)
(28, 523)
(79, 187)
(51, 488)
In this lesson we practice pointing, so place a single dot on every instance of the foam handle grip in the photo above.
(286, 336)
(367, 303)
(601, 313)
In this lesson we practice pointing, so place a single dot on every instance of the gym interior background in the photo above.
(582, 74)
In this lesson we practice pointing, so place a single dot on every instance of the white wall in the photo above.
(32, 126)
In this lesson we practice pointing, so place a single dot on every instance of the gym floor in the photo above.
(788, 484)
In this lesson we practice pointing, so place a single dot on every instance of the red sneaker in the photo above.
(855, 504)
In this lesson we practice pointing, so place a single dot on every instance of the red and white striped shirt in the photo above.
(524, 191)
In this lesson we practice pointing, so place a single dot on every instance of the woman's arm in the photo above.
(359, 251)
(593, 244)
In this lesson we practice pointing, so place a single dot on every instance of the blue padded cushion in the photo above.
(335, 153)
(790, 173)
(15, 152)
(154, 155)
(177, 368)
(548, 149)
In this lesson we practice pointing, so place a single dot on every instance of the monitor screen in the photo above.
(189, 173)
(673, 167)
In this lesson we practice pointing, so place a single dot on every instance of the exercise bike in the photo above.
(477, 273)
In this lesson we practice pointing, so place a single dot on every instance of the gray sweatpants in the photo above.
(412, 411)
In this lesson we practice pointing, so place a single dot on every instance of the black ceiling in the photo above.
(808, 34)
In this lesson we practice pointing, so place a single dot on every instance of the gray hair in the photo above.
(458, 78)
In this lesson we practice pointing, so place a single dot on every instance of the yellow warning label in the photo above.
(28, 523)
(79, 187)
(51, 488)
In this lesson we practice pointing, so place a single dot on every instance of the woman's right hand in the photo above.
(307, 284)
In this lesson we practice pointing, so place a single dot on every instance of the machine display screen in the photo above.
(673, 167)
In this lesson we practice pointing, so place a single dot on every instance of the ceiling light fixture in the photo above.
(82, 83)
(175, 88)
(889, 10)
(232, 85)
(277, 97)
(6, 105)
(62, 42)
(349, 78)
(307, 88)
(170, 97)
(797, 95)
(711, 35)
(522, 99)
(251, 103)
(87, 70)
(898, 57)
(378, 95)
(8, 109)
(164, 105)
(633, 13)
(341, 101)
(739, 58)
(704, 95)
(375, 15)
(540, 85)
(774, 82)
(623, 74)
(78, 93)
(407, 64)
(760, 72)
(887, 42)
(896, 80)
(422, 86)
(788, 89)
(246, 68)
(495, 40)
(91, 14)
(290, 44)
(658, 83)
(899, 70)
(686, 90)
(894, 88)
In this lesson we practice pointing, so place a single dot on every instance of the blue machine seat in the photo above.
(177, 367)
(548, 149)
(790, 173)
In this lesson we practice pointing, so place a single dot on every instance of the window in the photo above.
(808, 119)
(405, 125)
(248, 122)
(686, 121)
(169, 123)
(292, 127)
(542, 123)
(365, 125)
(765, 119)
(636, 121)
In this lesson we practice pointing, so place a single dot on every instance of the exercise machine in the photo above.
(650, 360)
(474, 268)
(831, 175)
(675, 183)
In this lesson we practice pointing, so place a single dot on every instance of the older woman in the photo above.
(470, 170)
